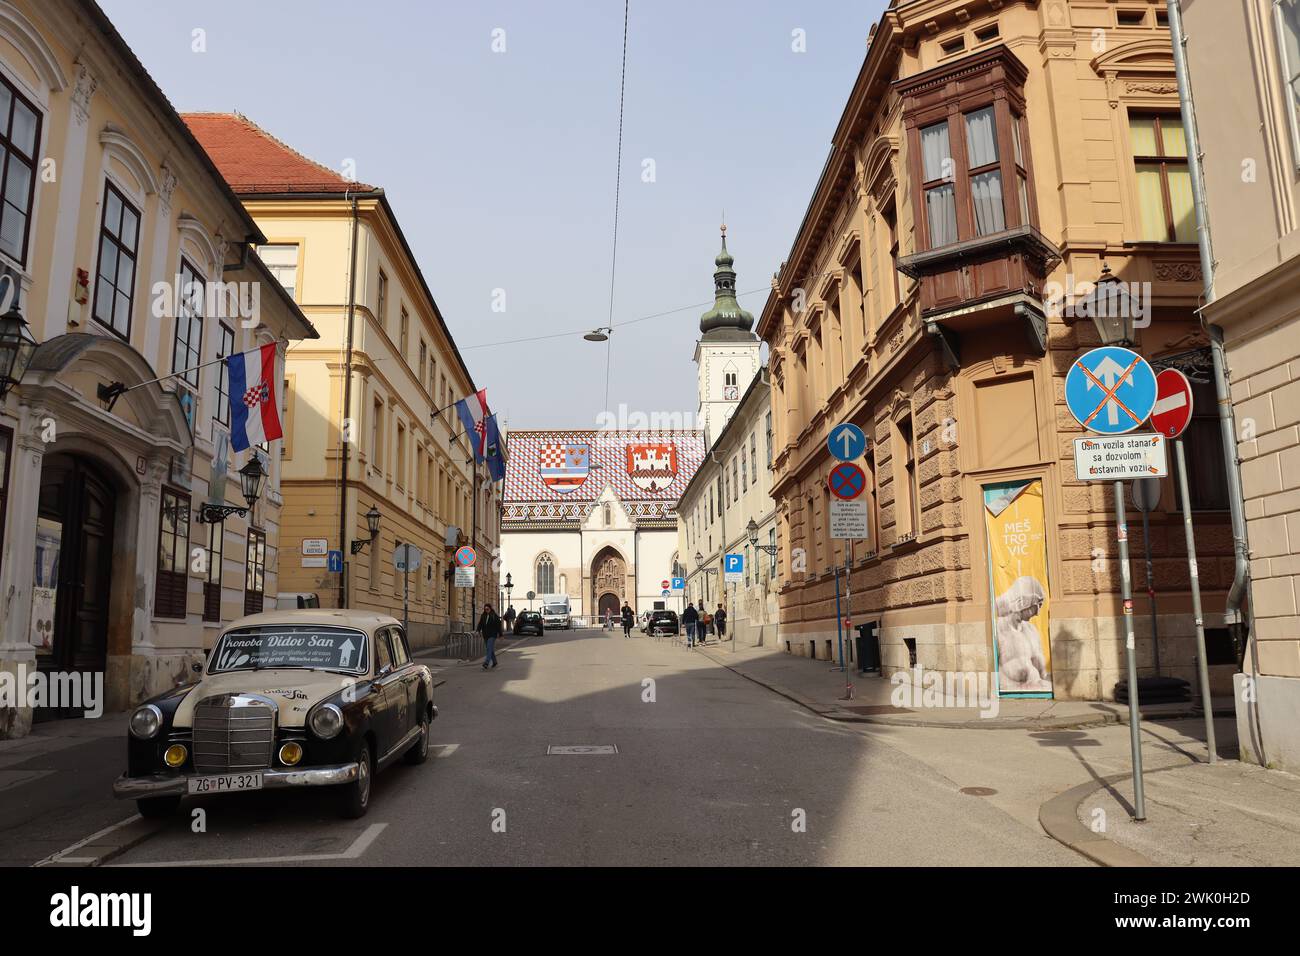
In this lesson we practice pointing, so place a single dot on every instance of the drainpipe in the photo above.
(345, 540)
(1237, 593)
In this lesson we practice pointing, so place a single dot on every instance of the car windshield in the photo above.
(556, 609)
(290, 645)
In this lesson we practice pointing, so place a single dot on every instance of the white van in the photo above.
(556, 612)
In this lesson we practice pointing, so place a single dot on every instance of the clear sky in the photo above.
(500, 166)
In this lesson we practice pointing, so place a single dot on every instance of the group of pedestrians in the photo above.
(697, 628)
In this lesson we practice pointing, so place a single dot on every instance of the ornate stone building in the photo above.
(992, 158)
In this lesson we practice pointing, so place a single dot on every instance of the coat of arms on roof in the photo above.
(652, 467)
(564, 467)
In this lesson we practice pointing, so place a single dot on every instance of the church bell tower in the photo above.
(727, 353)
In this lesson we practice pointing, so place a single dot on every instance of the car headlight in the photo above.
(326, 721)
(146, 722)
(174, 756)
(290, 753)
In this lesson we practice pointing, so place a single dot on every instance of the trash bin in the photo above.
(868, 647)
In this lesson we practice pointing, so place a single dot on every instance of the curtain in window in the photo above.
(941, 213)
(986, 196)
(981, 138)
(935, 152)
(1151, 202)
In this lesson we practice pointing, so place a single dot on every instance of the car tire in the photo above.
(419, 751)
(158, 808)
(354, 797)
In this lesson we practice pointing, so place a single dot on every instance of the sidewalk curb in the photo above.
(97, 853)
(1059, 817)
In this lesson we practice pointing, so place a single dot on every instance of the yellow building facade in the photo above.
(992, 159)
(386, 356)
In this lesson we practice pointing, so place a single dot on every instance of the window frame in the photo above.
(192, 347)
(212, 580)
(1163, 161)
(134, 255)
(169, 576)
(258, 565)
(6, 147)
(1293, 106)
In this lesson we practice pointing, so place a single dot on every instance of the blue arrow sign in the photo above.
(1110, 390)
(846, 442)
(335, 561)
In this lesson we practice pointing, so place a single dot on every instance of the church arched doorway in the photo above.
(610, 602)
(608, 580)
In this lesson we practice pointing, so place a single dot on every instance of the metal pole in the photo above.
(1151, 588)
(1134, 718)
(1202, 668)
(848, 606)
(406, 584)
(839, 618)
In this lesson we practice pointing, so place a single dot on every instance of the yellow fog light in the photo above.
(290, 753)
(175, 755)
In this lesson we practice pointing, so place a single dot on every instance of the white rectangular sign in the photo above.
(315, 546)
(849, 520)
(465, 577)
(312, 561)
(1120, 457)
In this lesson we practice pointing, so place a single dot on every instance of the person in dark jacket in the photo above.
(628, 620)
(509, 618)
(720, 620)
(690, 617)
(489, 625)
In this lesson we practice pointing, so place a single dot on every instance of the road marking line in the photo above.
(358, 847)
(444, 750)
(62, 855)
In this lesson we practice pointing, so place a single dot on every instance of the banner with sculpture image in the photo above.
(1017, 536)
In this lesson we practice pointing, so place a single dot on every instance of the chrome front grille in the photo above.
(233, 732)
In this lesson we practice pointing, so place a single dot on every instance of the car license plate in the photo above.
(225, 782)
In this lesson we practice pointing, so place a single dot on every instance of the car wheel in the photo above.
(419, 751)
(356, 795)
(158, 808)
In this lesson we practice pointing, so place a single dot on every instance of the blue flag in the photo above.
(495, 452)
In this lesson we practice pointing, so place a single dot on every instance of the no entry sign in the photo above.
(847, 481)
(1173, 410)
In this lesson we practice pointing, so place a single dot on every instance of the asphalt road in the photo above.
(714, 770)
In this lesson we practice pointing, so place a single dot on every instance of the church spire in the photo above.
(726, 318)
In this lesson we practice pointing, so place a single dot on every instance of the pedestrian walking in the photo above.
(720, 620)
(609, 619)
(509, 618)
(489, 625)
(690, 617)
(628, 620)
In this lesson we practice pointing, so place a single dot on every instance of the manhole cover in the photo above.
(879, 709)
(582, 749)
(977, 791)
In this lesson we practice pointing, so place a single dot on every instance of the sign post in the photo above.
(1146, 495)
(1172, 415)
(406, 558)
(1111, 391)
(733, 567)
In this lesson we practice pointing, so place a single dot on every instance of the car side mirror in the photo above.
(197, 667)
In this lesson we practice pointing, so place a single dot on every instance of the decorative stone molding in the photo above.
(1163, 89)
(1177, 271)
(166, 186)
(82, 92)
(118, 144)
(20, 32)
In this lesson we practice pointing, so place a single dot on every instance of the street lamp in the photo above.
(509, 587)
(16, 347)
(250, 481)
(372, 525)
(1110, 307)
(599, 334)
(752, 530)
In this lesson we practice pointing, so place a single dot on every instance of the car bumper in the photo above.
(177, 784)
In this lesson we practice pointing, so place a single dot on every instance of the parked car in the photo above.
(286, 699)
(663, 622)
(643, 622)
(289, 600)
(529, 622)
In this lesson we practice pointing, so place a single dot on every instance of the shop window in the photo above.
(173, 554)
(255, 572)
(20, 137)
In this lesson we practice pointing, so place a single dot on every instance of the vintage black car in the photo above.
(529, 622)
(307, 698)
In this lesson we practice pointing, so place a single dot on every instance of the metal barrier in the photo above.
(461, 646)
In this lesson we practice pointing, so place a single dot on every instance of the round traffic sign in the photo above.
(1110, 390)
(1173, 409)
(664, 584)
(465, 557)
(847, 442)
(847, 481)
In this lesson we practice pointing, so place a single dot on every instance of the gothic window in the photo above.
(545, 575)
(608, 515)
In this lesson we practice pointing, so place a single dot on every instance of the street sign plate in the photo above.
(315, 546)
(1173, 408)
(1120, 458)
(407, 557)
(1146, 493)
(335, 559)
(733, 567)
(464, 577)
(465, 557)
(666, 593)
(1110, 390)
(849, 520)
(679, 584)
(846, 442)
(314, 561)
(847, 481)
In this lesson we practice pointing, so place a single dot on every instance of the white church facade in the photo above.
(592, 514)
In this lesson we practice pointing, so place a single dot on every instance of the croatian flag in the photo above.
(473, 412)
(254, 411)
